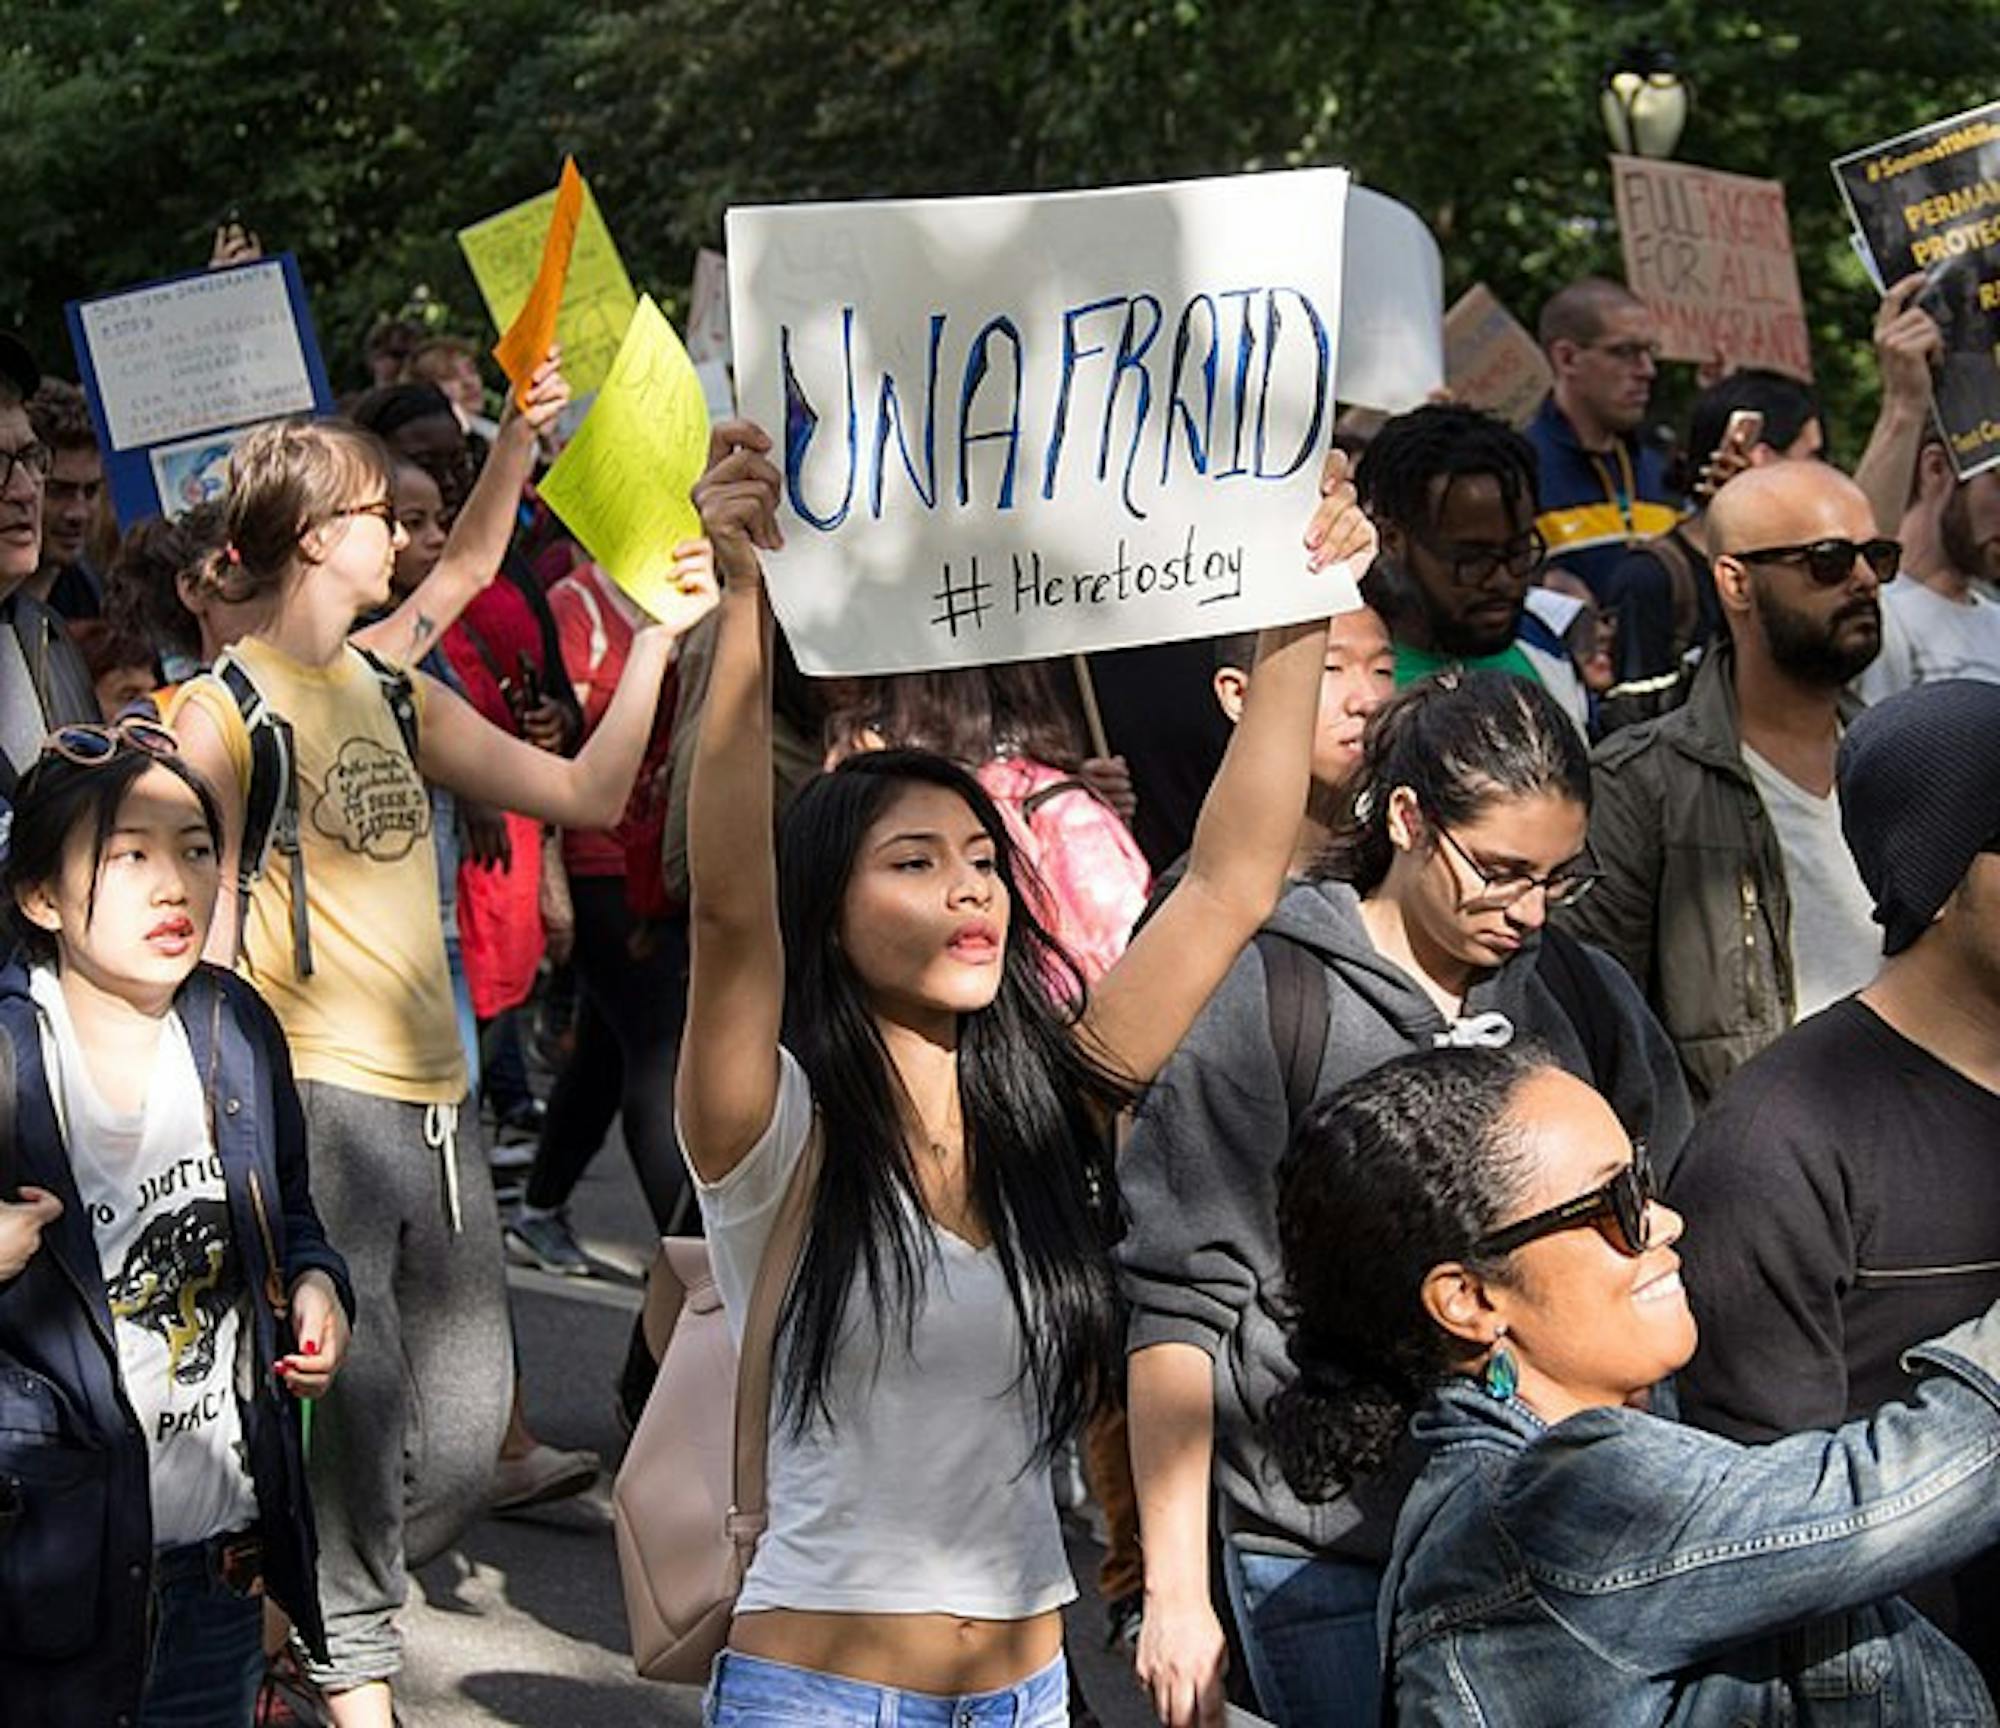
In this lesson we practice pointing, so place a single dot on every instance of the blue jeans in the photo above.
(208, 1647)
(749, 1692)
(1308, 1631)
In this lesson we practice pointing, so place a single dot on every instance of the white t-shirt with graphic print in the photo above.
(152, 1185)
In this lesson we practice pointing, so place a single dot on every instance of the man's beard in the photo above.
(1807, 649)
(1968, 557)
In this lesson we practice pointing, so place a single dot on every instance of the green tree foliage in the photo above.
(361, 136)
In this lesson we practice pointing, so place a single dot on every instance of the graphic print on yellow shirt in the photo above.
(376, 1016)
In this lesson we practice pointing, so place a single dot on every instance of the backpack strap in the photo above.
(270, 805)
(1572, 978)
(1048, 794)
(757, 1356)
(399, 691)
(10, 1160)
(1297, 1008)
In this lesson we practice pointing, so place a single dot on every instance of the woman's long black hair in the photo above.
(1036, 1109)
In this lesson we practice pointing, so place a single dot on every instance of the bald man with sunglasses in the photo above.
(1727, 890)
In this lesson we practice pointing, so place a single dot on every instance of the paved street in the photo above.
(523, 1623)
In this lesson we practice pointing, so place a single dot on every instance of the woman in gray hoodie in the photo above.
(1425, 927)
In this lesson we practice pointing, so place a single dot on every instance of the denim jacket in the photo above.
(76, 1559)
(1621, 1569)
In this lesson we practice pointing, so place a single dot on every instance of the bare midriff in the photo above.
(936, 1653)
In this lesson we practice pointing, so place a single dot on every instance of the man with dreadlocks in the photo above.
(1451, 491)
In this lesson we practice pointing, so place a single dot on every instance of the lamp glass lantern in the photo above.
(1644, 103)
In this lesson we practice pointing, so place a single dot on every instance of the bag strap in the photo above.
(270, 806)
(756, 1359)
(10, 1170)
(1032, 804)
(1572, 979)
(399, 692)
(1296, 1005)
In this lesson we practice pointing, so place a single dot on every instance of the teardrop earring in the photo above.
(1502, 1376)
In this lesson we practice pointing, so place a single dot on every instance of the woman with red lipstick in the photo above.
(1565, 1556)
(954, 1317)
(166, 1290)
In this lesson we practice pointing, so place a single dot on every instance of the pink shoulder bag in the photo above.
(688, 1504)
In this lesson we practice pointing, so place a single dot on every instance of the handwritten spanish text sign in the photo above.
(622, 483)
(179, 358)
(1930, 201)
(1490, 361)
(526, 341)
(505, 253)
(1711, 255)
(1020, 427)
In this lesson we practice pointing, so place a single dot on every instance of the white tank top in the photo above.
(923, 1496)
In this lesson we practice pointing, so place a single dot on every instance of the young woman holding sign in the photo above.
(954, 1317)
(345, 941)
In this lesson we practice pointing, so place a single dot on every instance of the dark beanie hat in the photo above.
(1920, 798)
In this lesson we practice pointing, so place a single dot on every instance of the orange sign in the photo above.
(526, 343)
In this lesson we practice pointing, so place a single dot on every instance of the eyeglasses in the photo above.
(1473, 565)
(1626, 1201)
(37, 458)
(381, 509)
(93, 746)
(1564, 885)
(1831, 562)
(1629, 353)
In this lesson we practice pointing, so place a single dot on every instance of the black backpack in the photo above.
(1295, 995)
(271, 801)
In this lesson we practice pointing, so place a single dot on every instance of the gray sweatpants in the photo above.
(404, 1444)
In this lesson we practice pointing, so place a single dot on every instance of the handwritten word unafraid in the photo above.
(1151, 397)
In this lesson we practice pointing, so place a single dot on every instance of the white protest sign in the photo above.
(1391, 307)
(1020, 427)
(180, 358)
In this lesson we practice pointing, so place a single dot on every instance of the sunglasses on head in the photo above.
(93, 746)
(1830, 562)
(1625, 1201)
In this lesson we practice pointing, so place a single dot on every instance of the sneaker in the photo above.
(520, 1120)
(537, 1477)
(511, 1158)
(544, 1239)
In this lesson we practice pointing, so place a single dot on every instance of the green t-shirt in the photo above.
(1415, 663)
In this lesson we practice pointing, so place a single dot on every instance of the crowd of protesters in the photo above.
(1464, 1123)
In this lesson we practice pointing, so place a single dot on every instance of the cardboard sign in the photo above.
(622, 483)
(169, 365)
(1930, 201)
(528, 339)
(1711, 255)
(708, 309)
(1021, 427)
(505, 255)
(1391, 307)
(1490, 360)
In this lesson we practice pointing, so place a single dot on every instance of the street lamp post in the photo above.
(1644, 102)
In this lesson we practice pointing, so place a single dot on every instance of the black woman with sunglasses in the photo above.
(1425, 926)
(1568, 1556)
(1728, 892)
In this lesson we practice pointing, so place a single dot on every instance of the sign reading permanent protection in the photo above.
(1029, 426)
(1930, 201)
(1711, 255)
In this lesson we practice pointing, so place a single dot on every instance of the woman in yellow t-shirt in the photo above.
(362, 989)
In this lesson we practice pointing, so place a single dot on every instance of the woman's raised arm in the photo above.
(1249, 824)
(471, 557)
(728, 1081)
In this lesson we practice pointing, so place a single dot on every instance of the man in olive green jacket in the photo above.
(1726, 890)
